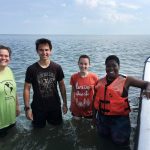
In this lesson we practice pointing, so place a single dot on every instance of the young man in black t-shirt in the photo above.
(44, 76)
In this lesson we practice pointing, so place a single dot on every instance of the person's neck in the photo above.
(44, 63)
(2, 68)
(110, 79)
(84, 74)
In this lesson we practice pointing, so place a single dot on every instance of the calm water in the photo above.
(132, 51)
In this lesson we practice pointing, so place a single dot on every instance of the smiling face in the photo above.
(112, 69)
(4, 57)
(44, 52)
(84, 65)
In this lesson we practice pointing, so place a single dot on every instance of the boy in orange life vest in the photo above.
(83, 84)
(111, 101)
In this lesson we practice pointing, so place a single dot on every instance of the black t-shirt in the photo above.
(44, 83)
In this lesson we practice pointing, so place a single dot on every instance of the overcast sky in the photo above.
(75, 17)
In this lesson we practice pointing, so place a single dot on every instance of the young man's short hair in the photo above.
(43, 41)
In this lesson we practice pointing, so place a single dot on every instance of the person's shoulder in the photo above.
(93, 75)
(102, 79)
(8, 69)
(123, 75)
(33, 65)
(131, 78)
(52, 63)
(74, 75)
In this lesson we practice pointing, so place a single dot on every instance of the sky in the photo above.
(92, 17)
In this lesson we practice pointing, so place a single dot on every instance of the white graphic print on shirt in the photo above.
(46, 83)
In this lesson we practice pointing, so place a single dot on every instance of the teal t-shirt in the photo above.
(7, 98)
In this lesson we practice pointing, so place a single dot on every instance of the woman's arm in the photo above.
(17, 106)
(145, 85)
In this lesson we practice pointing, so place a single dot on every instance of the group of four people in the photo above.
(104, 100)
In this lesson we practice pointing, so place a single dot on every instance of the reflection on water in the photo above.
(71, 135)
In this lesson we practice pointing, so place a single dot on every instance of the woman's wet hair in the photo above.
(7, 48)
(84, 56)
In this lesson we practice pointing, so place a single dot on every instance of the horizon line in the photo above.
(69, 34)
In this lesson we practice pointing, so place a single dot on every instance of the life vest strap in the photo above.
(104, 110)
(126, 109)
(105, 101)
(126, 100)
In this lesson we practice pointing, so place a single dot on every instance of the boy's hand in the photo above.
(64, 108)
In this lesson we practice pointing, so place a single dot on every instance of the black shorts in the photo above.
(41, 117)
(3, 131)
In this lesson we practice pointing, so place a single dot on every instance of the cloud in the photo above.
(130, 6)
(92, 3)
(45, 16)
(27, 21)
(106, 3)
(79, 1)
(120, 17)
(110, 10)
(96, 3)
(63, 4)
(85, 20)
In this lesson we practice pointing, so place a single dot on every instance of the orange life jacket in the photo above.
(108, 100)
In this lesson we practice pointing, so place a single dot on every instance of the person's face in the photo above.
(4, 57)
(44, 51)
(112, 69)
(83, 64)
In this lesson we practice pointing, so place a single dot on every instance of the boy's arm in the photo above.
(26, 96)
(63, 95)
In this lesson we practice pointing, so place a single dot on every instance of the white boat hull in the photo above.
(144, 118)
